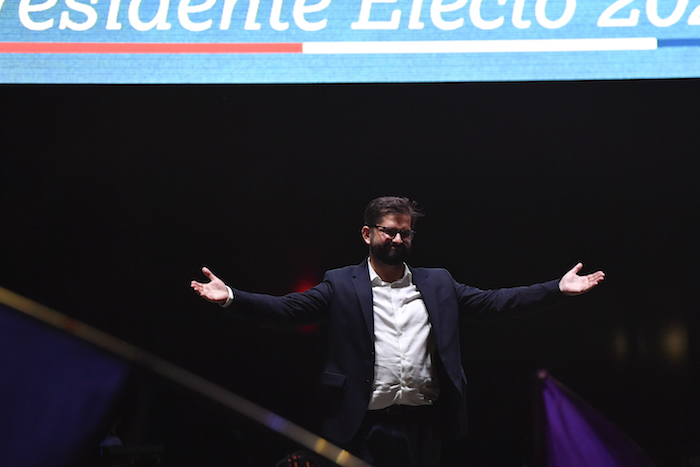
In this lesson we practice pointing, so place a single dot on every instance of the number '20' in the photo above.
(607, 20)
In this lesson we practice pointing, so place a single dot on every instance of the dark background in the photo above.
(113, 197)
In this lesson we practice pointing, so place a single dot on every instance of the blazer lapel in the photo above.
(363, 288)
(427, 291)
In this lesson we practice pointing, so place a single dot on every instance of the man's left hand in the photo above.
(573, 284)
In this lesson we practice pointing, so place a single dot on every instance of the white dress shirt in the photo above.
(403, 367)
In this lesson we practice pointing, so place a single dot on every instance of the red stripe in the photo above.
(145, 48)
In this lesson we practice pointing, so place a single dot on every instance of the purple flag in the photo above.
(571, 433)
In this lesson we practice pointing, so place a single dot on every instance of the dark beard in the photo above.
(391, 256)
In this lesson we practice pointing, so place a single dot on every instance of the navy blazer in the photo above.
(343, 301)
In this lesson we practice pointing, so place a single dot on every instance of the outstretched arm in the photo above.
(573, 284)
(215, 290)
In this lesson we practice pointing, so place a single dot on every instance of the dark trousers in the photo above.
(399, 436)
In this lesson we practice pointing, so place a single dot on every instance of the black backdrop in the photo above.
(113, 197)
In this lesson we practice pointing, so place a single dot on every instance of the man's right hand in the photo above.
(215, 290)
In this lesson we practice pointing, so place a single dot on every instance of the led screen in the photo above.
(331, 41)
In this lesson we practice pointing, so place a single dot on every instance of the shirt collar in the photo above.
(406, 280)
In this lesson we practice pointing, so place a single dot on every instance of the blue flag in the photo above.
(55, 391)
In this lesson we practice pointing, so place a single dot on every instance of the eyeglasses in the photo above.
(406, 235)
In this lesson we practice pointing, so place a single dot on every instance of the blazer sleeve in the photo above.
(496, 302)
(293, 309)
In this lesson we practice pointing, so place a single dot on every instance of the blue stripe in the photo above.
(679, 42)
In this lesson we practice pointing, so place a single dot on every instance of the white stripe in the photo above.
(526, 45)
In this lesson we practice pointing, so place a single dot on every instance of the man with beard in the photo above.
(393, 381)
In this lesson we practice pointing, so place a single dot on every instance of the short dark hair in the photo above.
(386, 205)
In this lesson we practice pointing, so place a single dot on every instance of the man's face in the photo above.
(389, 250)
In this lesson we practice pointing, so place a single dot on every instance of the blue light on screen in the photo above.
(329, 41)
